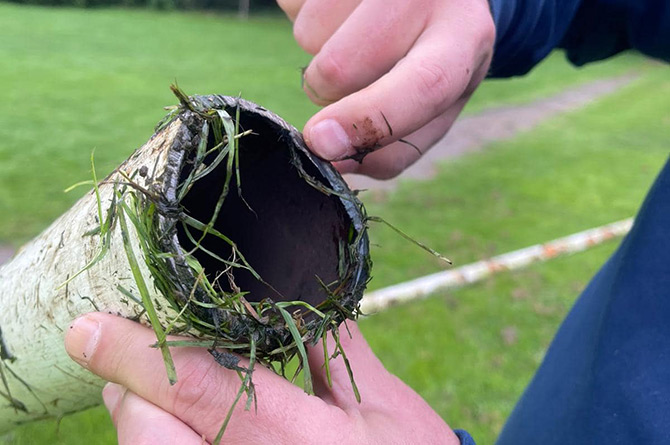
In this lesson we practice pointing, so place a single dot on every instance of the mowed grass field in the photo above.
(78, 80)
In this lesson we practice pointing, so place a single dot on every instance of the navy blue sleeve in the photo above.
(606, 376)
(464, 437)
(602, 28)
(589, 30)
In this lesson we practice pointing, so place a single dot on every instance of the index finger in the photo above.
(444, 66)
(119, 350)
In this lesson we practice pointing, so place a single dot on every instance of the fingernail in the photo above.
(111, 394)
(82, 339)
(329, 140)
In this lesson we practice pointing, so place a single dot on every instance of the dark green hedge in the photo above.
(227, 5)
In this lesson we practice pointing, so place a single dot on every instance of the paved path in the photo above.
(473, 133)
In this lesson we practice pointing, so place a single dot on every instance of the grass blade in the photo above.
(146, 300)
(290, 323)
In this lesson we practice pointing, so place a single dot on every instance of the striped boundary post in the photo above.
(381, 299)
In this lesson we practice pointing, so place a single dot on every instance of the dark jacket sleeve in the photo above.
(464, 437)
(589, 30)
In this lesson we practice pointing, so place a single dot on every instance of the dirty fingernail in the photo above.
(111, 394)
(329, 140)
(82, 339)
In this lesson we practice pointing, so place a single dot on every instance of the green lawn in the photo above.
(74, 80)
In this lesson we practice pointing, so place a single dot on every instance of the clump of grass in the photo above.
(208, 304)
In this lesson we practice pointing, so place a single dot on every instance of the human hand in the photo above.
(388, 70)
(146, 410)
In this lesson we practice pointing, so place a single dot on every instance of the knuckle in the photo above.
(434, 81)
(331, 69)
(486, 33)
(196, 389)
(483, 26)
(489, 34)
